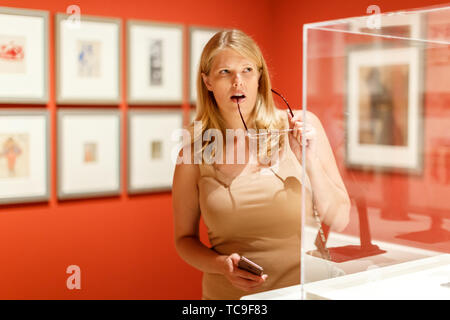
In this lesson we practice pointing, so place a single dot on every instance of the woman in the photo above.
(250, 209)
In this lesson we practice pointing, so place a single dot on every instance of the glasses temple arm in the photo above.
(242, 118)
(285, 101)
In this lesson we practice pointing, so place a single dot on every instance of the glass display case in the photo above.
(380, 86)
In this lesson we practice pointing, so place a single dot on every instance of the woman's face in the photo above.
(233, 79)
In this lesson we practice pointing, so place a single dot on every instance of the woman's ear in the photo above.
(206, 81)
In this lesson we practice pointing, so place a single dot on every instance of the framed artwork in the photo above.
(154, 140)
(24, 156)
(199, 36)
(89, 151)
(23, 56)
(384, 109)
(88, 60)
(154, 63)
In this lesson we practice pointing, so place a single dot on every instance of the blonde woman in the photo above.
(251, 208)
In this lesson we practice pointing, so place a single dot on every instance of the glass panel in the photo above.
(381, 89)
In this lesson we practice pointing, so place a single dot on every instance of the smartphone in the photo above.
(250, 266)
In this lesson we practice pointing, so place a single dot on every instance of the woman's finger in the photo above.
(229, 264)
(235, 258)
(291, 125)
(301, 128)
(292, 120)
(247, 275)
(247, 284)
(298, 131)
(297, 115)
(295, 133)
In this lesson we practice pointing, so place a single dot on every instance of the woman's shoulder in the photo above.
(186, 160)
(309, 115)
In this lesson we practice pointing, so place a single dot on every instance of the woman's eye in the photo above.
(248, 69)
(224, 71)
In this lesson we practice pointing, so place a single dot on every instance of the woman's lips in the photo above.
(238, 98)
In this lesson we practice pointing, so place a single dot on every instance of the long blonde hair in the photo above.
(263, 116)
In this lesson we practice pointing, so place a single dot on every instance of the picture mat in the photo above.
(76, 130)
(144, 127)
(139, 64)
(104, 87)
(33, 83)
(36, 184)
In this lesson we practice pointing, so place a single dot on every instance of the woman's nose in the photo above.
(237, 80)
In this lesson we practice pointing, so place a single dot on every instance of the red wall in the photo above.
(124, 245)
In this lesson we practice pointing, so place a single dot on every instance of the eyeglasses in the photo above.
(268, 132)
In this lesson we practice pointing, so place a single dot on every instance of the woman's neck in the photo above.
(234, 121)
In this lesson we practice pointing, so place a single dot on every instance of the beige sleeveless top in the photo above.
(257, 215)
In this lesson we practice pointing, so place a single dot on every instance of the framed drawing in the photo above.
(384, 109)
(89, 152)
(23, 56)
(154, 141)
(154, 63)
(24, 156)
(198, 36)
(88, 60)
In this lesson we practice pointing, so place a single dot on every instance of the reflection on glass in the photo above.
(384, 105)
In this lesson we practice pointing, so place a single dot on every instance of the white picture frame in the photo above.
(88, 60)
(24, 156)
(154, 141)
(365, 146)
(23, 56)
(89, 153)
(198, 37)
(154, 63)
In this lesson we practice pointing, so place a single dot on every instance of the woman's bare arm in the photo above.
(330, 195)
(186, 214)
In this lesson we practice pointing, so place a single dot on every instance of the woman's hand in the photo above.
(239, 278)
(306, 129)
